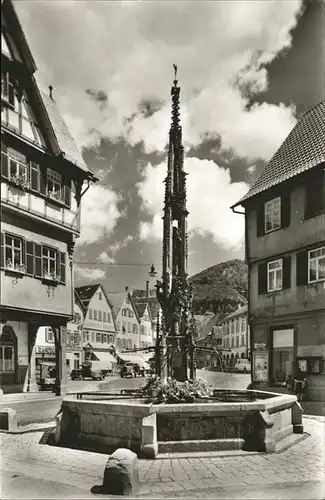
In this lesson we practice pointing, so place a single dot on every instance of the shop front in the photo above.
(45, 361)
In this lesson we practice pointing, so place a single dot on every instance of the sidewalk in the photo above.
(33, 470)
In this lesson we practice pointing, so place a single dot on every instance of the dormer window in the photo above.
(54, 184)
(273, 214)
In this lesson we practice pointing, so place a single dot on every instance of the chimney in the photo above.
(147, 290)
(51, 89)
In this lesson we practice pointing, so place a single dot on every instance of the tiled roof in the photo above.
(65, 141)
(303, 149)
(140, 307)
(138, 293)
(238, 312)
(86, 292)
(204, 324)
(78, 300)
(140, 296)
(116, 299)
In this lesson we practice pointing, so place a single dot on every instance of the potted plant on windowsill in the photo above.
(15, 268)
(51, 278)
(19, 181)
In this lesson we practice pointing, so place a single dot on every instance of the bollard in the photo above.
(121, 475)
(8, 419)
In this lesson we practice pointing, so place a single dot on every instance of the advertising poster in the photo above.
(261, 366)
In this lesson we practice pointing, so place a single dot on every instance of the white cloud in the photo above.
(99, 214)
(126, 49)
(106, 259)
(89, 274)
(210, 194)
(116, 247)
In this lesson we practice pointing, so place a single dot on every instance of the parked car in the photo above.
(76, 374)
(243, 365)
(88, 372)
(129, 369)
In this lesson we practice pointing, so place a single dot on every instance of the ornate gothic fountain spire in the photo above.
(174, 293)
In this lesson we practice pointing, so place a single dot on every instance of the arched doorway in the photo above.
(8, 356)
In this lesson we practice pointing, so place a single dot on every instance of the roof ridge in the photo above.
(301, 150)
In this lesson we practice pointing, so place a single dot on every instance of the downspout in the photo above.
(247, 259)
(71, 259)
(72, 267)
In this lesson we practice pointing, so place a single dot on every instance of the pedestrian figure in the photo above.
(300, 385)
(290, 384)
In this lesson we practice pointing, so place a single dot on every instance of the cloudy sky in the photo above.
(247, 69)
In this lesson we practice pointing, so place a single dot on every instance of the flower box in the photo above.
(15, 268)
(19, 181)
(51, 277)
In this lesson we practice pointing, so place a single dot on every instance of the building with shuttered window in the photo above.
(98, 326)
(285, 253)
(42, 178)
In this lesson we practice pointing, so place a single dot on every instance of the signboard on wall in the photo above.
(261, 366)
(44, 350)
(283, 338)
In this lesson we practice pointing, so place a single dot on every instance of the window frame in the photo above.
(53, 176)
(3, 346)
(54, 275)
(49, 335)
(6, 84)
(274, 271)
(317, 280)
(266, 214)
(20, 267)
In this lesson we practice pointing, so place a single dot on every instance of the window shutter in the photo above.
(286, 272)
(302, 268)
(285, 209)
(315, 195)
(38, 261)
(34, 176)
(62, 267)
(42, 187)
(30, 257)
(262, 278)
(260, 219)
(2, 251)
(67, 192)
(4, 165)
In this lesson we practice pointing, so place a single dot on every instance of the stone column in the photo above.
(60, 361)
(32, 381)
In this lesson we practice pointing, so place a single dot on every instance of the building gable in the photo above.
(28, 113)
(302, 150)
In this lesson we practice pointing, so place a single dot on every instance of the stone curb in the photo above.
(37, 427)
(319, 418)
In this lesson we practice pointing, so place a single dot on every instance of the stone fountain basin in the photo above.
(261, 422)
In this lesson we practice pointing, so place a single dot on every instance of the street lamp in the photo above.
(152, 272)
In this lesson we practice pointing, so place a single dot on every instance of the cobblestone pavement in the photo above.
(33, 470)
